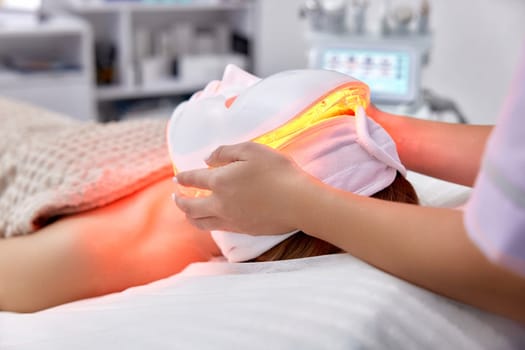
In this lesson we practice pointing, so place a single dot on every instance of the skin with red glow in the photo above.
(136, 240)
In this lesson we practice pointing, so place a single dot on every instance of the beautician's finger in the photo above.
(233, 153)
(199, 178)
(195, 208)
(208, 224)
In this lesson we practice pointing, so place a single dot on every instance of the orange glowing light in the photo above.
(343, 100)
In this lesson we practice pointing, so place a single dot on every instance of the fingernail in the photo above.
(175, 180)
(173, 197)
(207, 159)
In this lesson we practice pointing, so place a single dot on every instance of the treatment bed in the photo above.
(328, 302)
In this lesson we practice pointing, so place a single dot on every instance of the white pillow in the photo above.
(433, 192)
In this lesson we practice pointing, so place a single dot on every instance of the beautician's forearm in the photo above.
(425, 246)
(451, 152)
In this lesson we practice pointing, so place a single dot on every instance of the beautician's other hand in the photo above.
(253, 191)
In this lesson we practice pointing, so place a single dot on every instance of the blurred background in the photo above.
(118, 59)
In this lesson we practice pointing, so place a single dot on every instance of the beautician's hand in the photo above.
(253, 190)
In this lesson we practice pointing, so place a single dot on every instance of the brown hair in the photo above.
(302, 245)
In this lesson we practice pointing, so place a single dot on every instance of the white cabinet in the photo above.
(162, 49)
(26, 43)
(193, 41)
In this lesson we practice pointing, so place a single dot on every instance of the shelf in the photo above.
(30, 27)
(161, 88)
(60, 38)
(81, 6)
(14, 79)
(168, 23)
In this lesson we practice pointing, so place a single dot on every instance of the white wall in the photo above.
(53, 5)
(280, 43)
(476, 52)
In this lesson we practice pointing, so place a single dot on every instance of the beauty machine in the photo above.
(384, 43)
(393, 72)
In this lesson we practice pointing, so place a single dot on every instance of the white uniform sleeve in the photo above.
(495, 214)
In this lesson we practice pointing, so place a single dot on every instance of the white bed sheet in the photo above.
(330, 302)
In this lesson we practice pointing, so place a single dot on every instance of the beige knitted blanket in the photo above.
(51, 165)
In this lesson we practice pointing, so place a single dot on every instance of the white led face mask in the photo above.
(306, 114)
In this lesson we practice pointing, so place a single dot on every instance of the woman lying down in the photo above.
(86, 209)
